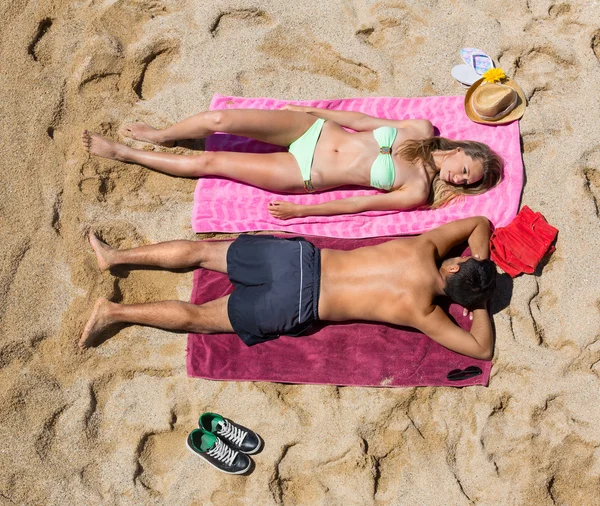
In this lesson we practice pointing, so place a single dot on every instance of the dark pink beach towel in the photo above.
(358, 354)
(221, 205)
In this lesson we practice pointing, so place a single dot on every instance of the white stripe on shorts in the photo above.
(301, 276)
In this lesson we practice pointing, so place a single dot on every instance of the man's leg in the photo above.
(275, 127)
(209, 318)
(211, 255)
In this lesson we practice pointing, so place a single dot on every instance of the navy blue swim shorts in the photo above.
(277, 284)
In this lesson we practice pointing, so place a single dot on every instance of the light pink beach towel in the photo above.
(221, 205)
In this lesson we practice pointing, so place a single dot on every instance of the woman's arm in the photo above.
(363, 122)
(399, 200)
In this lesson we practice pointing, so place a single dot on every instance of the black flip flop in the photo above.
(463, 374)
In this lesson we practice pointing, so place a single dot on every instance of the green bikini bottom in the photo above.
(303, 150)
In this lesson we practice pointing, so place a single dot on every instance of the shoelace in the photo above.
(233, 434)
(222, 452)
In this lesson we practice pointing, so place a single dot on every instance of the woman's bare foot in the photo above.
(103, 252)
(99, 321)
(146, 133)
(100, 146)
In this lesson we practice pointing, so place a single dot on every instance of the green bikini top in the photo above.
(383, 172)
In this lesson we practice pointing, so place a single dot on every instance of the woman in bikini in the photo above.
(403, 158)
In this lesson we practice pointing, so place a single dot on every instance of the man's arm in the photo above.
(478, 343)
(363, 122)
(474, 230)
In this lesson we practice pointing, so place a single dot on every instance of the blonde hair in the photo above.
(441, 192)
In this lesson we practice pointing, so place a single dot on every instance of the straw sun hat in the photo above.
(494, 99)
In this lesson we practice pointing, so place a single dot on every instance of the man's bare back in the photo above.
(384, 283)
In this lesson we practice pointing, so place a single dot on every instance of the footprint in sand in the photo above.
(155, 469)
(536, 139)
(539, 67)
(592, 187)
(229, 21)
(124, 58)
(98, 186)
(364, 34)
(153, 69)
(45, 439)
(297, 50)
(39, 48)
(558, 10)
(591, 177)
(101, 73)
(596, 44)
(126, 20)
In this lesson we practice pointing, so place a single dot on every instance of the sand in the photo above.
(108, 425)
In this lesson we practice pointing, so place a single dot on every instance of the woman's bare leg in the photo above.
(209, 318)
(272, 171)
(275, 127)
(211, 255)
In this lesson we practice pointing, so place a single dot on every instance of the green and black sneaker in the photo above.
(217, 453)
(237, 436)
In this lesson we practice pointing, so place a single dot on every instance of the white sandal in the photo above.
(465, 74)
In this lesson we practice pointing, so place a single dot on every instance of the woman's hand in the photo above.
(285, 210)
(297, 108)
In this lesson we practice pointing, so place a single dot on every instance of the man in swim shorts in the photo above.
(283, 286)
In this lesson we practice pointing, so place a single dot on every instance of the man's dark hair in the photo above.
(473, 284)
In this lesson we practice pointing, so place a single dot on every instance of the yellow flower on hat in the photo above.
(494, 75)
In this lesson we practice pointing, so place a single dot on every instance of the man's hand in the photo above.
(469, 311)
(285, 210)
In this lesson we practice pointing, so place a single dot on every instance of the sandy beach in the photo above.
(108, 425)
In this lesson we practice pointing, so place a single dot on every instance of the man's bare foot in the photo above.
(146, 133)
(99, 321)
(102, 147)
(102, 250)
